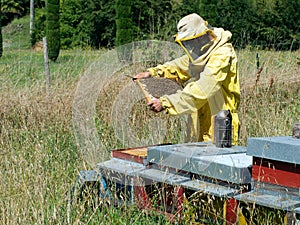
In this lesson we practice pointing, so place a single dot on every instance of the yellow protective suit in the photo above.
(211, 84)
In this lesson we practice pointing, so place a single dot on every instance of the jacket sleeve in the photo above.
(176, 69)
(207, 88)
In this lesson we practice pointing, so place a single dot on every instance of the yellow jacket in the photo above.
(211, 84)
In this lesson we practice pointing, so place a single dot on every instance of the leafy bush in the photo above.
(87, 23)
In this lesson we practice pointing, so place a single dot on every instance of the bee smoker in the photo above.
(223, 129)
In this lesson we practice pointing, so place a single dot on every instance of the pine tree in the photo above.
(1, 41)
(124, 28)
(123, 22)
(52, 29)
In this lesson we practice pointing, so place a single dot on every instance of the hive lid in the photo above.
(204, 159)
(281, 148)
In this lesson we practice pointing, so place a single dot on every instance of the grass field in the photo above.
(39, 158)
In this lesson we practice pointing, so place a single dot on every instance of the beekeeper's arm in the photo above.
(176, 69)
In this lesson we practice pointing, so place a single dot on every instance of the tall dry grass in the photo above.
(270, 100)
(38, 156)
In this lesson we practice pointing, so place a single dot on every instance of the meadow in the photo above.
(39, 157)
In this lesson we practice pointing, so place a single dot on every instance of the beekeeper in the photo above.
(208, 73)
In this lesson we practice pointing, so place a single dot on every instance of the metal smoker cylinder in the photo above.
(223, 129)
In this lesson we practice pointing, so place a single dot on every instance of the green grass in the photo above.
(270, 103)
(16, 34)
(39, 158)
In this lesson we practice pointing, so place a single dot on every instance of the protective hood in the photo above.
(194, 35)
(221, 37)
(190, 25)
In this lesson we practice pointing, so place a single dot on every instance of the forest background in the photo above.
(267, 24)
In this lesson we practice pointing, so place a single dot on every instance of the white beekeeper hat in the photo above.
(191, 25)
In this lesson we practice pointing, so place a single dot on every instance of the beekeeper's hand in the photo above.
(142, 75)
(155, 105)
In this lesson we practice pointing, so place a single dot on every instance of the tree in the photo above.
(156, 22)
(288, 15)
(52, 29)
(12, 6)
(277, 24)
(124, 29)
(209, 11)
(1, 41)
(124, 24)
(104, 23)
(12, 9)
(237, 17)
(87, 23)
